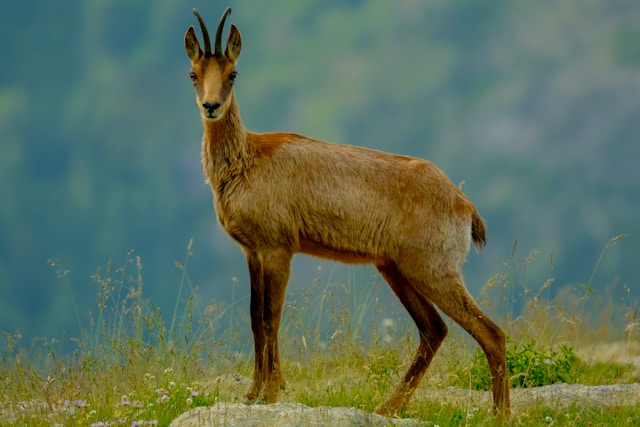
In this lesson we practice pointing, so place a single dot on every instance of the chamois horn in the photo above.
(218, 45)
(205, 33)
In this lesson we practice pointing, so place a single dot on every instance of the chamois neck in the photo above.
(225, 152)
(228, 127)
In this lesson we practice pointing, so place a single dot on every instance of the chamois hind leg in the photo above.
(269, 274)
(451, 296)
(432, 330)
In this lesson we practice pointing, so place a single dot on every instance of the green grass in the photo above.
(340, 347)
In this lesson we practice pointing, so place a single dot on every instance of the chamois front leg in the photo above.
(257, 326)
(269, 274)
(276, 267)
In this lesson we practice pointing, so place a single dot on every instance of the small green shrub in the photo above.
(529, 366)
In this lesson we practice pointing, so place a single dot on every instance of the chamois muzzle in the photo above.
(210, 109)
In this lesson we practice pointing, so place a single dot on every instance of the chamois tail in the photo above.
(478, 230)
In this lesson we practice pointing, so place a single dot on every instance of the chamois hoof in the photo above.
(254, 401)
(386, 410)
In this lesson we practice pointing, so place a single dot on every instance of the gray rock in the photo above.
(283, 415)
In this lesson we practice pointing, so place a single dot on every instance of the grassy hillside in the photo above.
(136, 365)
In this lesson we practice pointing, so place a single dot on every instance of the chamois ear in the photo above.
(191, 45)
(234, 44)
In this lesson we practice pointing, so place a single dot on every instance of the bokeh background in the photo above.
(535, 105)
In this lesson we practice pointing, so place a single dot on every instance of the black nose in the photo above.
(211, 107)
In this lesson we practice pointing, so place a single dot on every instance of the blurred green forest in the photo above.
(535, 105)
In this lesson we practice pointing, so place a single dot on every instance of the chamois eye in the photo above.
(194, 77)
(233, 75)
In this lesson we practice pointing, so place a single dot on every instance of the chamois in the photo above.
(277, 194)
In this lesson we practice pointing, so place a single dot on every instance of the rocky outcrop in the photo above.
(297, 414)
(283, 415)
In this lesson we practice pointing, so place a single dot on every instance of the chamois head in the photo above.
(213, 73)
